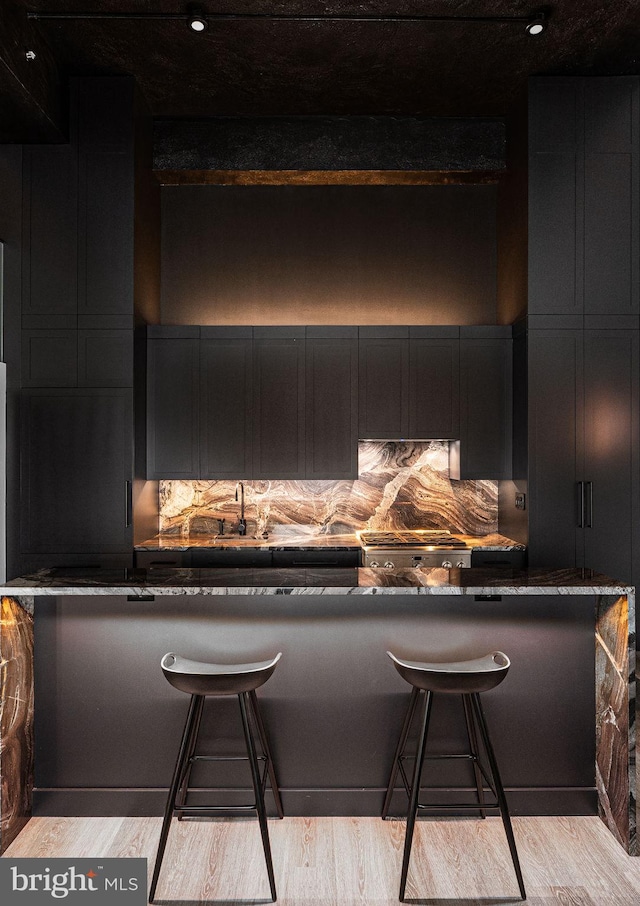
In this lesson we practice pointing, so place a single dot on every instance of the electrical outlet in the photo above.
(521, 501)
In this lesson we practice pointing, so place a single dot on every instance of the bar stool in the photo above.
(467, 679)
(200, 680)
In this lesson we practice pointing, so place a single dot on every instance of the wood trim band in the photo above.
(328, 177)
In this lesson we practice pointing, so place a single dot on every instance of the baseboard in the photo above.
(355, 802)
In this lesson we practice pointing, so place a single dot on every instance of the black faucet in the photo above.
(221, 526)
(242, 524)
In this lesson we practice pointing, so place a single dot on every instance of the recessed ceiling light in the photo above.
(196, 20)
(536, 24)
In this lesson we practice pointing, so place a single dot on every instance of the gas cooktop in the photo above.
(411, 538)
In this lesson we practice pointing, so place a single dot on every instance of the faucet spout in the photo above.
(242, 524)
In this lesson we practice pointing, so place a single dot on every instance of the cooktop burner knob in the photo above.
(374, 563)
(389, 565)
(446, 564)
(460, 564)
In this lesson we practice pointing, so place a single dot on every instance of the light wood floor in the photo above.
(349, 861)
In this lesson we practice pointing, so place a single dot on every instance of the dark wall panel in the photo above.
(329, 254)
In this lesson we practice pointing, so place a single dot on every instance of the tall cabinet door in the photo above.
(555, 448)
(611, 533)
(226, 442)
(611, 197)
(384, 383)
(556, 196)
(50, 213)
(279, 403)
(485, 402)
(173, 407)
(76, 465)
(332, 406)
(105, 200)
(584, 205)
(434, 385)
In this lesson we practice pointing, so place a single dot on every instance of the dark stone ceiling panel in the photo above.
(330, 143)
(274, 68)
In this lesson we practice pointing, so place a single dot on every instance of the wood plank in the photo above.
(348, 861)
(328, 177)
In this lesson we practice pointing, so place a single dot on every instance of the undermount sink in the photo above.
(233, 536)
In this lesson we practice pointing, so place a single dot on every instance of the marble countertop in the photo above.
(314, 581)
(299, 539)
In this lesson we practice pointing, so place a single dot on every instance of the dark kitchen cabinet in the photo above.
(199, 403)
(242, 402)
(271, 402)
(249, 558)
(319, 558)
(383, 383)
(485, 403)
(584, 208)
(78, 215)
(105, 201)
(50, 358)
(173, 403)
(50, 230)
(54, 357)
(434, 383)
(583, 457)
(409, 383)
(279, 403)
(510, 559)
(331, 403)
(611, 413)
(226, 403)
(105, 358)
(76, 468)
(168, 559)
(84, 229)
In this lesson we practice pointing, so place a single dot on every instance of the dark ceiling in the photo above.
(267, 68)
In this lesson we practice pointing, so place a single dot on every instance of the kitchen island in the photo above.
(107, 723)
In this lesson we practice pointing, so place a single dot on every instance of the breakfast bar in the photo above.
(106, 722)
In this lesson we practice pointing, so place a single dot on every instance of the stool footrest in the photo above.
(465, 805)
(225, 758)
(468, 757)
(203, 809)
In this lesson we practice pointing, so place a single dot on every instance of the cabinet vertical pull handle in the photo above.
(581, 504)
(590, 508)
(128, 502)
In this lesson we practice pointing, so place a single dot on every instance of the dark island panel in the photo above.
(108, 724)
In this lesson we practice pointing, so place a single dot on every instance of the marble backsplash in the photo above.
(399, 485)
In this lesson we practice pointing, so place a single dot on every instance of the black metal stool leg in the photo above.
(413, 701)
(171, 798)
(502, 800)
(473, 748)
(186, 772)
(257, 786)
(264, 741)
(415, 792)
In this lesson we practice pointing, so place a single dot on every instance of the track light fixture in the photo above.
(536, 24)
(196, 20)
